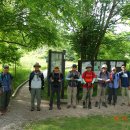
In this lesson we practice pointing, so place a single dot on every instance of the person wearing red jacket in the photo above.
(88, 78)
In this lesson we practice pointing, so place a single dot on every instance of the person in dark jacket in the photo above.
(5, 89)
(73, 77)
(124, 84)
(56, 78)
(36, 83)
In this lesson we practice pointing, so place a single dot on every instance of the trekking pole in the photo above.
(100, 98)
(88, 96)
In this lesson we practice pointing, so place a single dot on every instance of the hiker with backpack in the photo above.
(88, 79)
(36, 84)
(73, 77)
(103, 82)
(56, 78)
(5, 89)
(125, 84)
(113, 86)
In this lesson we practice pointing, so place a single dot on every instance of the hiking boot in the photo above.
(114, 103)
(59, 108)
(32, 109)
(89, 105)
(104, 104)
(38, 109)
(83, 104)
(2, 113)
(50, 108)
(109, 102)
(96, 104)
(68, 106)
(74, 107)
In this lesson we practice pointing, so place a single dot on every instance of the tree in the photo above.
(93, 22)
(115, 46)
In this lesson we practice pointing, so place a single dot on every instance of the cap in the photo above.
(74, 66)
(113, 68)
(88, 66)
(104, 66)
(37, 65)
(6, 67)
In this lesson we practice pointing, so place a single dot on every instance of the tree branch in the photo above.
(10, 42)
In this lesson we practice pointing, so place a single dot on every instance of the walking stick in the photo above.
(88, 95)
(100, 100)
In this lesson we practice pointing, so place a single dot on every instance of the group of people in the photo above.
(105, 80)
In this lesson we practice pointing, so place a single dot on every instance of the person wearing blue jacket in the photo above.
(113, 86)
(6, 89)
(124, 84)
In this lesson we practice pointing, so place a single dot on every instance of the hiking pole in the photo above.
(88, 96)
(100, 98)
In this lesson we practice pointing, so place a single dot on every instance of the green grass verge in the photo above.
(82, 123)
(22, 75)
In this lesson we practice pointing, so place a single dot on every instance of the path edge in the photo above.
(18, 88)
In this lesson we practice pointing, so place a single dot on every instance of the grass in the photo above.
(21, 75)
(82, 123)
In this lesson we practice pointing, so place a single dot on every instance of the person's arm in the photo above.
(94, 78)
(42, 79)
(30, 79)
(68, 76)
(83, 77)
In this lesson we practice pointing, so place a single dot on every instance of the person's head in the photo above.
(104, 68)
(74, 67)
(89, 67)
(56, 69)
(113, 69)
(123, 67)
(6, 68)
(37, 66)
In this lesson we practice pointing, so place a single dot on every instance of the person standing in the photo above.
(36, 84)
(113, 86)
(56, 78)
(88, 80)
(125, 84)
(73, 77)
(103, 81)
(6, 89)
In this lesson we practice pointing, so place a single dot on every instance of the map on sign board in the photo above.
(56, 60)
(119, 64)
(97, 67)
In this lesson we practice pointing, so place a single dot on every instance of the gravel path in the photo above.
(19, 111)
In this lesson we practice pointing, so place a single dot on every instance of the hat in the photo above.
(37, 65)
(6, 67)
(74, 66)
(88, 66)
(56, 67)
(104, 66)
(113, 68)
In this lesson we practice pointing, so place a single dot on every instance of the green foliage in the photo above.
(94, 19)
(115, 47)
(82, 123)
(22, 74)
(126, 11)
(9, 54)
